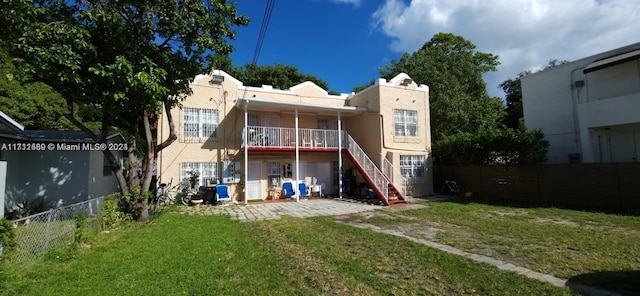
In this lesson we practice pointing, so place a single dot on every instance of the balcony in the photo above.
(284, 139)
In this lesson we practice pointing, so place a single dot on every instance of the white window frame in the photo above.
(405, 122)
(412, 166)
(200, 123)
(274, 172)
(208, 171)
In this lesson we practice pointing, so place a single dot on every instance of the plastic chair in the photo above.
(288, 189)
(222, 193)
(303, 189)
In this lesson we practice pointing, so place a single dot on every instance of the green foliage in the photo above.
(453, 70)
(492, 147)
(125, 59)
(7, 238)
(132, 203)
(111, 214)
(279, 76)
(79, 234)
(32, 104)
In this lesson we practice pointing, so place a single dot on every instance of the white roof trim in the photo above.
(12, 124)
(301, 105)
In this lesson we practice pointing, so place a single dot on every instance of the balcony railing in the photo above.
(281, 137)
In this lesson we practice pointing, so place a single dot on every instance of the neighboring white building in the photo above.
(589, 109)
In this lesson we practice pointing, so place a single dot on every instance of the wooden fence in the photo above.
(597, 185)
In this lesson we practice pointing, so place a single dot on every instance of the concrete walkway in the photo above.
(275, 210)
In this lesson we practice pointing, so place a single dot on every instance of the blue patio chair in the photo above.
(303, 189)
(222, 193)
(287, 187)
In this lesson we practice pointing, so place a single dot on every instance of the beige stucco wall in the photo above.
(373, 130)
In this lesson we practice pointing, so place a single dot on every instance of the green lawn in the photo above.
(212, 255)
(592, 248)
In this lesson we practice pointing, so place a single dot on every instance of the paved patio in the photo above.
(275, 210)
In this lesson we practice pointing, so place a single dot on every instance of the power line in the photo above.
(263, 30)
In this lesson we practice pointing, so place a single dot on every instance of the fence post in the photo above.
(46, 233)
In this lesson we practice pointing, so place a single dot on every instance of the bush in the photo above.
(7, 238)
(111, 213)
(492, 147)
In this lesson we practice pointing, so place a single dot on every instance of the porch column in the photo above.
(297, 186)
(246, 152)
(339, 155)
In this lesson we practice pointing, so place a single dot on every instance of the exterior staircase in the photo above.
(384, 189)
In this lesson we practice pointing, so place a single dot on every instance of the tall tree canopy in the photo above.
(127, 58)
(279, 76)
(452, 69)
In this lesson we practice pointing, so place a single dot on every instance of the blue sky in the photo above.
(344, 42)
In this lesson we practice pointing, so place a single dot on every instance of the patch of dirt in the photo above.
(557, 221)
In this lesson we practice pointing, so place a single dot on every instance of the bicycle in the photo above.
(451, 187)
(162, 197)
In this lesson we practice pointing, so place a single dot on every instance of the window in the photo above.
(199, 123)
(207, 172)
(335, 173)
(253, 120)
(412, 165)
(406, 123)
(273, 173)
(323, 124)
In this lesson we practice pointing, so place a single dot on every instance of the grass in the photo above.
(212, 255)
(592, 248)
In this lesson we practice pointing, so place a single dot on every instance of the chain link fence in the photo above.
(38, 233)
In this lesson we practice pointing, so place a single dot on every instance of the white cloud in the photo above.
(355, 3)
(526, 34)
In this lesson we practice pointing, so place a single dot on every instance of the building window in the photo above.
(406, 123)
(323, 124)
(253, 120)
(274, 173)
(335, 173)
(412, 165)
(199, 123)
(207, 173)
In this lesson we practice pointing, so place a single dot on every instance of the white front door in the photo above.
(254, 183)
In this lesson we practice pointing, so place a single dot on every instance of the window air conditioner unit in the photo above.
(216, 79)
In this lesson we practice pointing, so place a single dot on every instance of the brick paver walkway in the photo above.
(268, 211)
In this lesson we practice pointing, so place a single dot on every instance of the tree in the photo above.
(492, 147)
(279, 76)
(129, 60)
(34, 105)
(513, 95)
(452, 69)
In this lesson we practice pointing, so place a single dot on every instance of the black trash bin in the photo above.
(210, 195)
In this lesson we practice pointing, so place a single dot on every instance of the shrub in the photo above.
(111, 213)
(7, 238)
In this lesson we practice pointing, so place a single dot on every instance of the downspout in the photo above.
(575, 101)
(246, 151)
(339, 155)
(297, 188)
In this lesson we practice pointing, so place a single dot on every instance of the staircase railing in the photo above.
(377, 177)
(394, 175)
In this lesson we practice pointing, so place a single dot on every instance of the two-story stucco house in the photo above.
(589, 109)
(255, 139)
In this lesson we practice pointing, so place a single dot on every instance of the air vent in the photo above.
(216, 79)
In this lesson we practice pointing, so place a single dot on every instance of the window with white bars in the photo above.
(274, 173)
(412, 165)
(406, 123)
(199, 123)
(207, 171)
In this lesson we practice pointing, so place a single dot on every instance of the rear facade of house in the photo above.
(375, 143)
